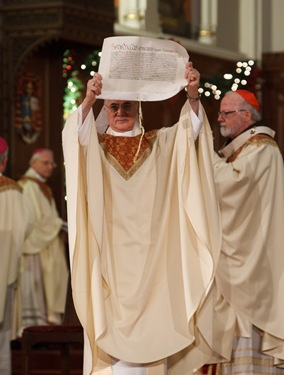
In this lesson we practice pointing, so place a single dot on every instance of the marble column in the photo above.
(208, 22)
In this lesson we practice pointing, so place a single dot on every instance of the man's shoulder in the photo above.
(253, 145)
(33, 185)
(151, 134)
(7, 183)
(261, 139)
(26, 179)
(260, 132)
(256, 136)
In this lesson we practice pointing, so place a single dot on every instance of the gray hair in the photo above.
(255, 115)
(36, 154)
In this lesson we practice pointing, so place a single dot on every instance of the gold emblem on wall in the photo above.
(28, 107)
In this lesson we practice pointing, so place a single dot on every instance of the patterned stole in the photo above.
(7, 183)
(120, 151)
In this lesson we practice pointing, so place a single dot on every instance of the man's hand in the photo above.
(193, 78)
(94, 88)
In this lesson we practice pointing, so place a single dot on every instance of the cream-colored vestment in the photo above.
(250, 274)
(15, 224)
(44, 271)
(144, 240)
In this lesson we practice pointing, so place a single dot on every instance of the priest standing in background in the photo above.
(44, 269)
(249, 179)
(16, 222)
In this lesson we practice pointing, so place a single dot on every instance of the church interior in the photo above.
(49, 50)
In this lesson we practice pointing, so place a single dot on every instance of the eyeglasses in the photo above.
(114, 108)
(47, 162)
(226, 113)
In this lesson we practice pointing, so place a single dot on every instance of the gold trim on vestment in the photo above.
(261, 139)
(42, 185)
(116, 158)
(227, 151)
(7, 183)
(257, 140)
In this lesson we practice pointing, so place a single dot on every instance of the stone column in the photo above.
(131, 13)
(139, 14)
(208, 22)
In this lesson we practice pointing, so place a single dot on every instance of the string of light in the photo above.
(245, 75)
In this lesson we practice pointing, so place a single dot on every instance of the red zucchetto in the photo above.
(3, 145)
(249, 97)
(38, 151)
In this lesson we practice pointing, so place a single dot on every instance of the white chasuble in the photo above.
(144, 241)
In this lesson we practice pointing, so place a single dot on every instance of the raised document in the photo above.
(142, 68)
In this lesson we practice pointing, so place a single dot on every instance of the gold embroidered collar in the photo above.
(120, 151)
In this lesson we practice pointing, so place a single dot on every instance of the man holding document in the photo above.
(144, 233)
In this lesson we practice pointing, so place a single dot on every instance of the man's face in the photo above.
(121, 114)
(44, 164)
(231, 117)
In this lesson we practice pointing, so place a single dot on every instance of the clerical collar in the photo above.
(38, 176)
(252, 126)
(129, 133)
(243, 137)
(256, 124)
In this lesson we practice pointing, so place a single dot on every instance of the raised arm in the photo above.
(94, 88)
(193, 77)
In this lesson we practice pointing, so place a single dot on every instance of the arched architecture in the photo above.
(34, 36)
(41, 39)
